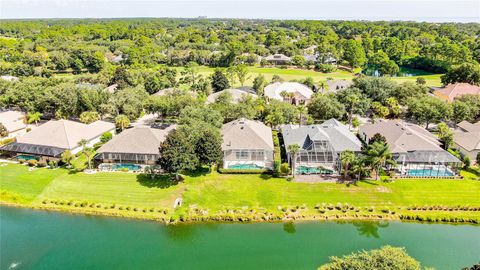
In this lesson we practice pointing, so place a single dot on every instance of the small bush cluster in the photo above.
(415, 217)
(444, 208)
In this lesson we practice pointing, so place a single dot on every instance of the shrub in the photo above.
(41, 164)
(285, 169)
(107, 136)
(326, 68)
(124, 169)
(32, 162)
(386, 257)
(21, 160)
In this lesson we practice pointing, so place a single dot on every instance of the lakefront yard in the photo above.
(217, 196)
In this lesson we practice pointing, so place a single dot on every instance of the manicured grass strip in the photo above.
(28, 184)
(120, 188)
(220, 191)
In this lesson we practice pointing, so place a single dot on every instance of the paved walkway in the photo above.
(315, 178)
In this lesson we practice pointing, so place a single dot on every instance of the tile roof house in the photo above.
(278, 59)
(247, 144)
(138, 145)
(467, 140)
(452, 91)
(320, 146)
(300, 93)
(56, 136)
(235, 93)
(418, 153)
(13, 121)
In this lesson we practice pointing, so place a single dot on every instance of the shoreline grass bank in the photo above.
(238, 198)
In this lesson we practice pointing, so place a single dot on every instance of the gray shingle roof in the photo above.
(331, 130)
(137, 140)
(403, 137)
(246, 134)
(64, 133)
(470, 141)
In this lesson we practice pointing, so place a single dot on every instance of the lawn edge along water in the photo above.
(210, 206)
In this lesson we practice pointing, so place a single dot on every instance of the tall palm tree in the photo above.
(353, 99)
(293, 150)
(358, 168)
(378, 155)
(302, 110)
(347, 158)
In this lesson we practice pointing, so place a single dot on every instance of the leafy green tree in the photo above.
(276, 78)
(122, 122)
(208, 146)
(407, 90)
(67, 157)
(464, 73)
(89, 117)
(106, 136)
(420, 81)
(461, 111)
(194, 114)
(323, 107)
(34, 117)
(242, 73)
(3, 130)
(259, 84)
(190, 74)
(377, 89)
(354, 53)
(393, 107)
(445, 134)
(219, 81)
(428, 110)
(177, 154)
(385, 258)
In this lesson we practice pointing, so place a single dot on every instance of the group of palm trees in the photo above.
(370, 161)
(373, 158)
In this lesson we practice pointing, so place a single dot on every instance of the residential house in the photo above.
(133, 148)
(452, 91)
(247, 144)
(417, 152)
(278, 59)
(14, 122)
(320, 146)
(467, 140)
(335, 86)
(51, 139)
(236, 95)
(292, 92)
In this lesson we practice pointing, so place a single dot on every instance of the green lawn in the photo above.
(120, 188)
(300, 74)
(218, 191)
(29, 184)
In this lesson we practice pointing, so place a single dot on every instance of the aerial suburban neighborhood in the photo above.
(208, 122)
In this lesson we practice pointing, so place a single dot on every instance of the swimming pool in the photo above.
(26, 157)
(245, 167)
(429, 172)
(312, 170)
(130, 167)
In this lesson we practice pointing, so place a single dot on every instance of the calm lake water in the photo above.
(47, 240)
(404, 72)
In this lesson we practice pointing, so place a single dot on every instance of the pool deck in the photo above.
(316, 178)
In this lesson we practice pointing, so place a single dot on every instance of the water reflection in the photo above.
(182, 232)
(289, 227)
(370, 228)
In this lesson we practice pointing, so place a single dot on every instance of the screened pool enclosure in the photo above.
(247, 159)
(427, 164)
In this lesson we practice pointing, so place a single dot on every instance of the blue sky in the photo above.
(423, 10)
